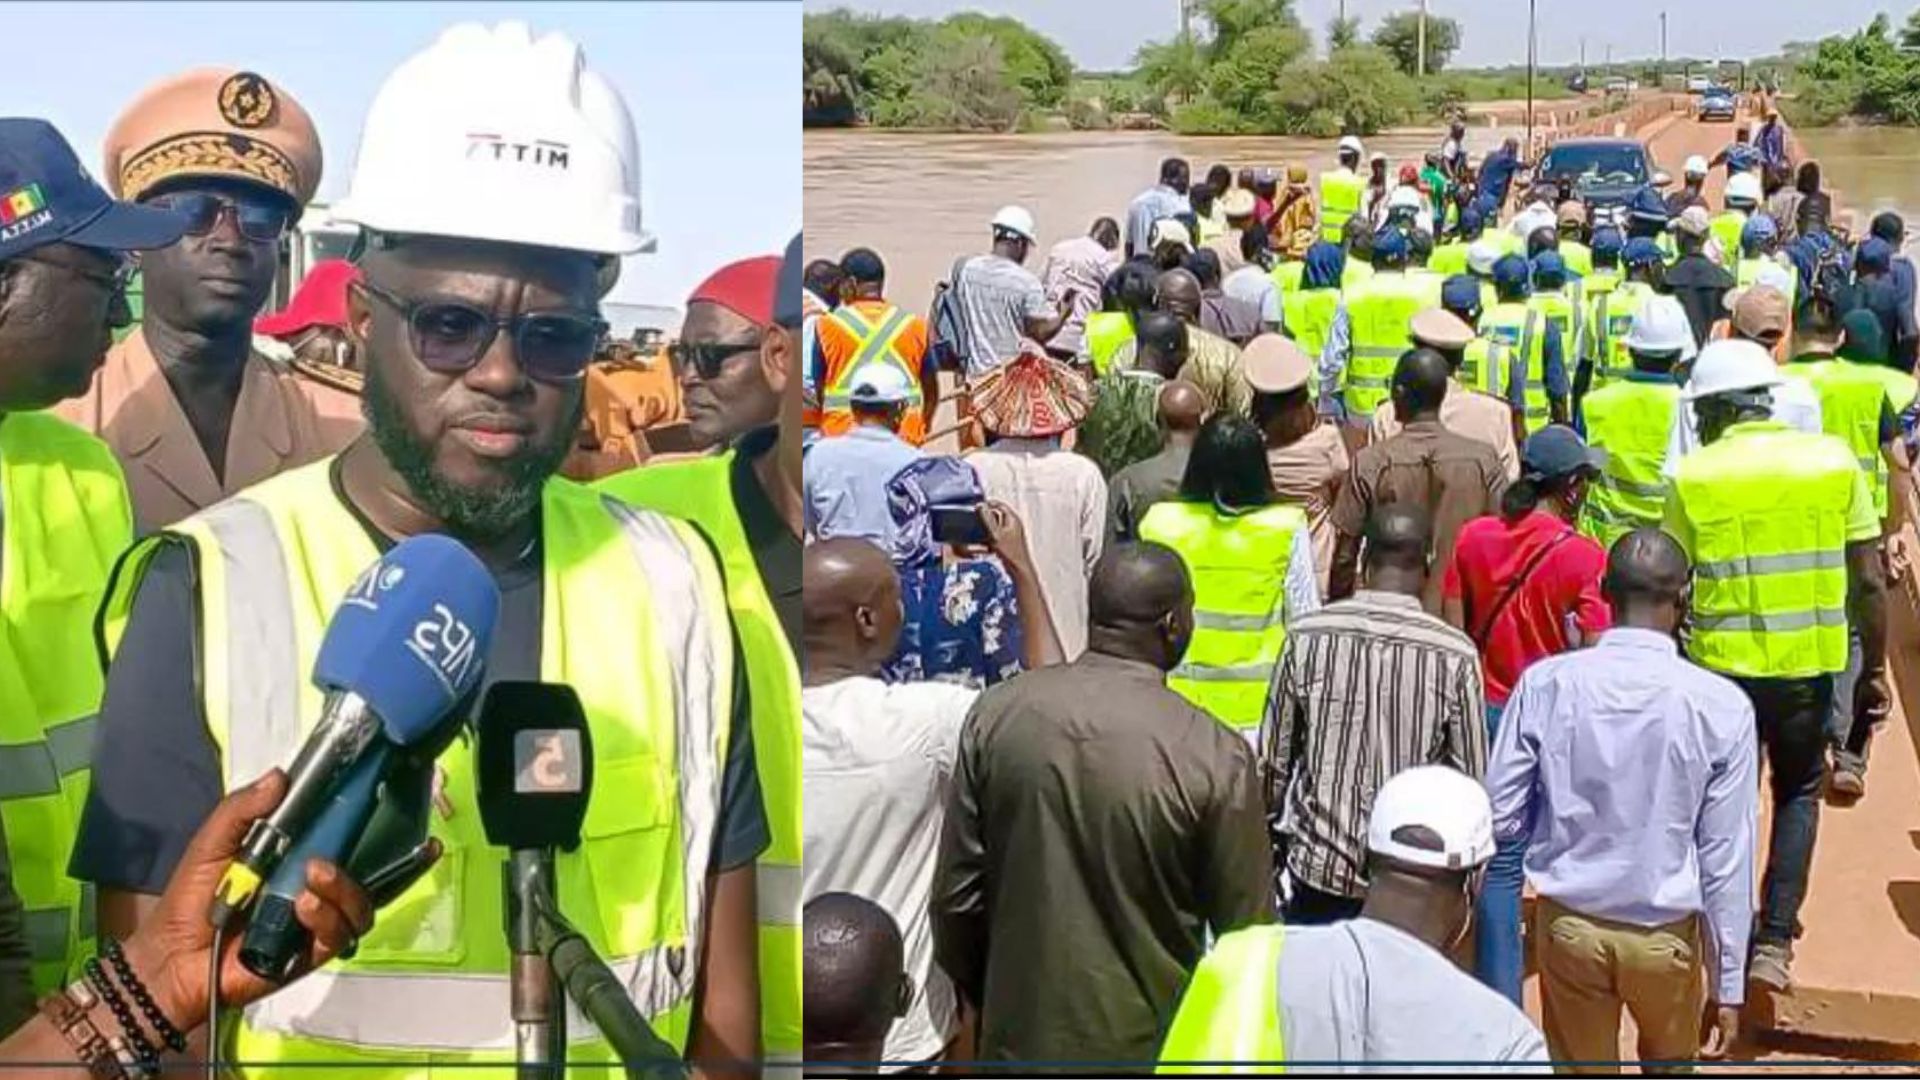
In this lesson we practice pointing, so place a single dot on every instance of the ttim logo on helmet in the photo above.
(487, 147)
(444, 644)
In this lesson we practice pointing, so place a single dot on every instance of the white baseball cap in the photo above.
(1351, 142)
(1405, 197)
(1661, 326)
(880, 384)
(1481, 255)
(1729, 365)
(1745, 187)
(1445, 801)
(1695, 166)
(1016, 220)
(1170, 231)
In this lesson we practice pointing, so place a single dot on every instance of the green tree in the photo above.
(1036, 64)
(1342, 34)
(1252, 69)
(1176, 70)
(1399, 35)
(1235, 20)
(1358, 90)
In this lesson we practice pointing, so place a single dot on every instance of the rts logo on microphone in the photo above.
(446, 646)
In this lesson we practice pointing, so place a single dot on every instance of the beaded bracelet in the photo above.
(147, 1060)
(122, 970)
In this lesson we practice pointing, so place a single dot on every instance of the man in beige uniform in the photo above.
(193, 410)
(1466, 411)
(1306, 457)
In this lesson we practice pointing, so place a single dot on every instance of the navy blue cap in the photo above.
(1641, 251)
(1390, 244)
(1510, 271)
(1471, 218)
(786, 297)
(47, 197)
(1647, 205)
(1460, 294)
(1874, 254)
(1557, 450)
(1548, 266)
(1608, 240)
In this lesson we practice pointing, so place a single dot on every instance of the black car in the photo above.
(1603, 173)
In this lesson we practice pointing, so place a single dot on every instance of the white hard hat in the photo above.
(1695, 166)
(1405, 197)
(1744, 186)
(1661, 326)
(1729, 365)
(880, 383)
(491, 134)
(1444, 801)
(1169, 231)
(1533, 218)
(1015, 219)
(1481, 255)
(1351, 142)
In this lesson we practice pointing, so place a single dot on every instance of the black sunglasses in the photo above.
(258, 220)
(450, 337)
(706, 358)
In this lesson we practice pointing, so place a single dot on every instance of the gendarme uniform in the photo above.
(633, 618)
(1609, 318)
(1378, 311)
(1522, 331)
(1630, 418)
(64, 519)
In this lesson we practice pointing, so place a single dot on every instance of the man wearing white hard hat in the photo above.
(1341, 191)
(846, 475)
(1742, 201)
(1783, 536)
(999, 301)
(1692, 187)
(1631, 418)
(1379, 987)
(497, 187)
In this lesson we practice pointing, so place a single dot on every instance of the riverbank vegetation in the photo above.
(1871, 76)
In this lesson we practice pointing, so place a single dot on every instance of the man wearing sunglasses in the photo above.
(193, 410)
(475, 326)
(63, 506)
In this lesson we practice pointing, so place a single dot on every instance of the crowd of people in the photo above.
(1314, 569)
(186, 507)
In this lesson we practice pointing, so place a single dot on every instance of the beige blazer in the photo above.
(281, 421)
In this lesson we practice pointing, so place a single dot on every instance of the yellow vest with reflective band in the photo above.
(1609, 319)
(1106, 332)
(1483, 367)
(64, 519)
(1726, 227)
(878, 342)
(1378, 315)
(1851, 400)
(1287, 275)
(1631, 421)
(1565, 310)
(1239, 569)
(1520, 329)
(1767, 506)
(1355, 273)
(1577, 256)
(1309, 314)
(1230, 1010)
(701, 491)
(1449, 258)
(1340, 194)
(632, 619)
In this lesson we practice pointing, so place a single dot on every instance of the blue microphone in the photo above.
(405, 646)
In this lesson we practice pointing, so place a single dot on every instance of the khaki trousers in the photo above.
(1590, 967)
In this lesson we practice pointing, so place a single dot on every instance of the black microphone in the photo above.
(534, 771)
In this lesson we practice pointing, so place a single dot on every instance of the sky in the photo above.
(710, 85)
(1102, 35)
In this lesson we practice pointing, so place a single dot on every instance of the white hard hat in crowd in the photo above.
(1744, 187)
(1481, 255)
(1405, 197)
(492, 134)
(1661, 326)
(1016, 220)
(1729, 365)
(1696, 166)
(1773, 275)
(1448, 803)
(1351, 142)
(880, 383)
(1533, 218)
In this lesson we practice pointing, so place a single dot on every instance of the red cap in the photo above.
(745, 288)
(320, 301)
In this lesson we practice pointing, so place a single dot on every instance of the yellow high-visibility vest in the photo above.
(1851, 400)
(1631, 420)
(1520, 329)
(64, 519)
(1726, 227)
(1609, 320)
(1230, 1010)
(1577, 256)
(1340, 193)
(1309, 314)
(1379, 313)
(1106, 332)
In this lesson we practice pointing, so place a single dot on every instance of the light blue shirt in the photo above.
(1636, 776)
(845, 490)
(1333, 364)
(1159, 201)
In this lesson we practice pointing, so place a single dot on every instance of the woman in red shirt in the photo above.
(1524, 585)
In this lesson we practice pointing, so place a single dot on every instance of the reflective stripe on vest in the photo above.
(701, 491)
(1518, 328)
(1851, 400)
(877, 342)
(1725, 228)
(1379, 314)
(1229, 1016)
(1483, 367)
(1106, 332)
(630, 620)
(64, 519)
(1631, 421)
(1239, 570)
(1608, 325)
(1340, 194)
(1766, 507)
(1309, 314)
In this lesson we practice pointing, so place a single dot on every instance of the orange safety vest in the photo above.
(875, 339)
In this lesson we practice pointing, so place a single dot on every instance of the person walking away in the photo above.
(1524, 585)
(1632, 778)
(1453, 478)
(191, 408)
(1562, 313)
(1249, 557)
(1781, 529)
(1693, 186)
(1699, 282)
(1204, 206)
(1213, 363)
(845, 489)
(1125, 295)
(1771, 139)
(1631, 419)
(1450, 258)
(1467, 410)
(1234, 319)
(1438, 187)
(857, 977)
(1080, 265)
(1309, 311)
(1001, 304)
(1536, 376)
(1876, 289)
(1025, 407)
(1497, 173)
(866, 329)
(1608, 242)
(1166, 199)
(1171, 244)
(1134, 490)
(1888, 227)
(1860, 405)
(1571, 234)
(1759, 250)
(1333, 733)
(1453, 152)
(1341, 190)
(1122, 426)
(1759, 317)
(1379, 185)
(1607, 358)
(467, 432)
(1097, 755)
(1317, 994)
(1742, 201)
(873, 744)
(1307, 460)
(66, 516)
(1373, 317)
(1238, 210)
(1253, 284)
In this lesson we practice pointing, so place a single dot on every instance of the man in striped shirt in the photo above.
(1366, 687)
